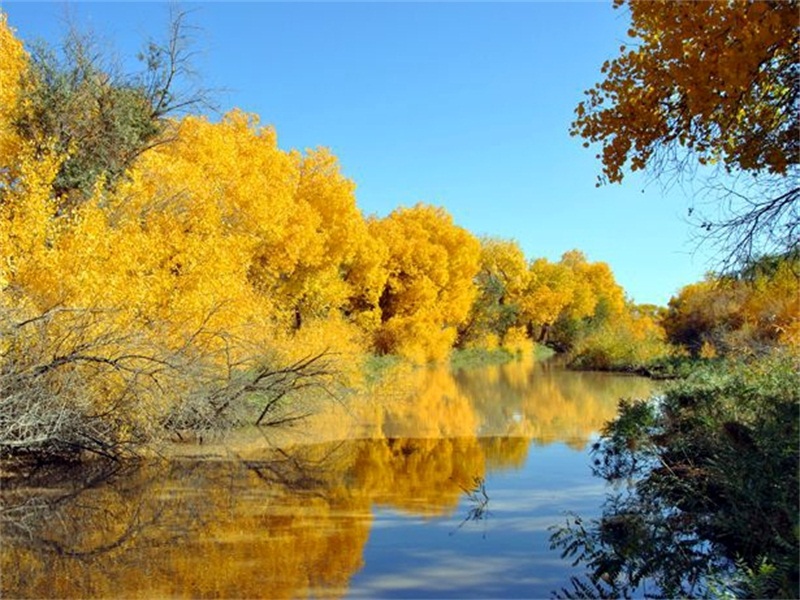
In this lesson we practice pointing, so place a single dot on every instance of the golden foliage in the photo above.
(573, 288)
(717, 78)
(28, 231)
(501, 285)
(13, 68)
(505, 261)
(217, 252)
(723, 315)
(550, 289)
(429, 289)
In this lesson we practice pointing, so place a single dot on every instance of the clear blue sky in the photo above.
(463, 105)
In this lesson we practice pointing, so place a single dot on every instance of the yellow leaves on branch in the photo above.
(20, 174)
(550, 289)
(501, 284)
(505, 261)
(27, 230)
(197, 211)
(717, 78)
(723, 315)
(573, 287)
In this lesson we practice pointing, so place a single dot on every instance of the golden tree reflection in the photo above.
(540, 401)
(188, 529)
(280, 516)
(419, 475)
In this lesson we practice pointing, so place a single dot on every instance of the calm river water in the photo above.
(438, 484)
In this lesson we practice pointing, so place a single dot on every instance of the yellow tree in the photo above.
(584, 296)
(713, 81)
(572, 293)
(577, 305)
(773, 306)
(720, 315)
(27, 170)
(366, 279)
(501, 282)
(596, 293)
(191, 216)
(430, 286)
(284, 224)
(702, 316)
(156, 299)
(12, 71)
(250, 239)
(631, 340)
(597, 299)
(148, 297)
(551, 287)
(325, 278)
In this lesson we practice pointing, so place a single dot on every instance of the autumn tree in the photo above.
(366, 279)
(550, 289)
(564, 297)
(501, 283)
(26, 169)
(596, 299)
(430, 286)
(757, 308)
(14, 69)
(708, 83)
(596, 291)
(140, 308)
(136, 314)
(577, 307)
(332, 272)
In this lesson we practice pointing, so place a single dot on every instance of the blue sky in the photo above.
(462, 105)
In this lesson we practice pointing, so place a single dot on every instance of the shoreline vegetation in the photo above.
(704, 489)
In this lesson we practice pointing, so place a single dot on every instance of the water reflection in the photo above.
(268, 528)
(478, 501)
(282, 517)
(545, 403)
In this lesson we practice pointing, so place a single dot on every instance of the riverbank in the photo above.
(706, 487)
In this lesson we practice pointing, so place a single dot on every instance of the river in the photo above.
(436, 484)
